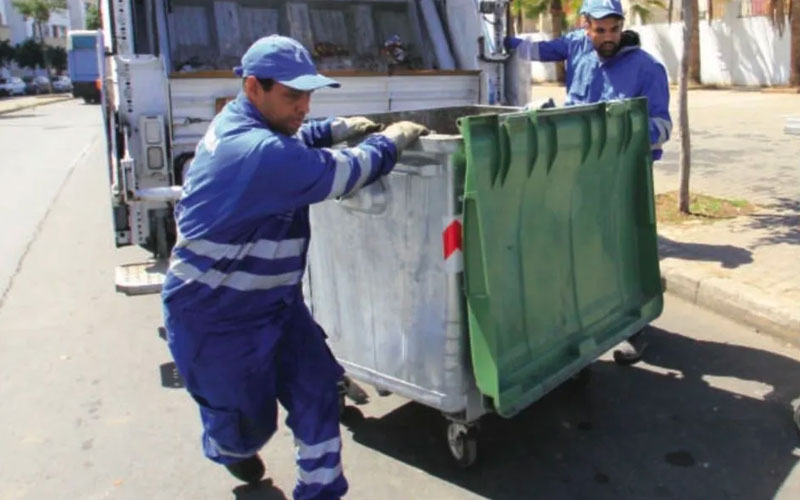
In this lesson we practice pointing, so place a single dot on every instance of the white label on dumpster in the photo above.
(451, 244)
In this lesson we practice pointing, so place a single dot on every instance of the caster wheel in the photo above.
(342, 406)
(797, 417)
(582, 378)
(462, 440)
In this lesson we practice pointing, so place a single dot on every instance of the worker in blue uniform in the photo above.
(238, 328)
(605, 63)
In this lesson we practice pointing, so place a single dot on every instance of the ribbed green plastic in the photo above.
(560, 247)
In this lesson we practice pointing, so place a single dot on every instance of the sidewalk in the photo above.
(748, 268)
(11, 104)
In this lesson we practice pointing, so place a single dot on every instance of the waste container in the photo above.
(495, 261)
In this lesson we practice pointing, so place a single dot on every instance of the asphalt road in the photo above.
(40, 147)
(85, 414)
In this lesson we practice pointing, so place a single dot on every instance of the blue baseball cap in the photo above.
(598, 9)
(284, 60)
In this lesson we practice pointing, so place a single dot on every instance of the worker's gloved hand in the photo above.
(343, 129)
(540, 104)
(511, 42)
(404, 133)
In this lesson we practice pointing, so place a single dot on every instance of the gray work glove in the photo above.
(404, 133)
(343, 129)
(540, 104)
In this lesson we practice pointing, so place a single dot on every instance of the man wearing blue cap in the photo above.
(604, 63)
(238, 328)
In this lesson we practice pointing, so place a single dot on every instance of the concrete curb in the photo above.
(736, 301)
(34, 104)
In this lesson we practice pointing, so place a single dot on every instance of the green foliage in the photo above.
(29, 54)
(58, 58)
(532, 9)
(7, 52)
(92, 17)
(38, 10)
(644, 9)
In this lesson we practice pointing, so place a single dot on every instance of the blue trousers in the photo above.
(237, 369)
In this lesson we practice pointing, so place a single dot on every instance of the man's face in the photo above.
(605, 35)
(283, 107)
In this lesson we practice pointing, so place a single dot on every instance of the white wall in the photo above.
(77, 14)
(734, 51)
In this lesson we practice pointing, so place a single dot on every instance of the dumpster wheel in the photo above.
(797, 417)
(462, 441)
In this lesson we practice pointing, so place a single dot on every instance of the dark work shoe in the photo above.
(631, 350)
(250, 470)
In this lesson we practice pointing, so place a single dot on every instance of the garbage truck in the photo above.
(83, 60)
(168, 71)
(506, 251)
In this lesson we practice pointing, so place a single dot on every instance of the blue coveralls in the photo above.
(631, 72)
(237, 324)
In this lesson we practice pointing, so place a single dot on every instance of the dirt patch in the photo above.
(702, 209)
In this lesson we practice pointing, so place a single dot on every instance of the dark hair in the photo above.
(266, 83)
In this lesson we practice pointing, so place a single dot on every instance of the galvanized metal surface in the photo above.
(193, 99)
(378, 281)
(213, 34)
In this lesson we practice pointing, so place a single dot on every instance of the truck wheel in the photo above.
(462, 440)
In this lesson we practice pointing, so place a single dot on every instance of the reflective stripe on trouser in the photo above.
(236, 371)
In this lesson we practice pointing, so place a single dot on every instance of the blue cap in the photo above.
(283, 60)
(598, 9)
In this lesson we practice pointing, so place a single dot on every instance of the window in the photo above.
(83, 41)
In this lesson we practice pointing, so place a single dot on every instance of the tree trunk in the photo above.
(683, 108)
(556, 18)
(45, 56)
(794, 43)
(694, 69)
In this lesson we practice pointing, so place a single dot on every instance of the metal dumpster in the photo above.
(491, 264)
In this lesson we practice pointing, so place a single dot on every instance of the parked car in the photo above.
(41, 85)
(62, 84)
(12, 86)
(30, 88)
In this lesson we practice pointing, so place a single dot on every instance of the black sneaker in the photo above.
(631, 350)
(250, 470)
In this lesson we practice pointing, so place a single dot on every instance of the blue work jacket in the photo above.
(243, 217)
(631, 72)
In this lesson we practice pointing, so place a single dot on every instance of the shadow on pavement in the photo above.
(783, 223)
(728, 256)
(264, 490)
(656, 430)
(14, 114)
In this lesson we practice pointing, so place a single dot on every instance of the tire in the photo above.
(462, 441)
(796, 417)
(582, 378)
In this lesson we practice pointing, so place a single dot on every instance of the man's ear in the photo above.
(251, 87)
